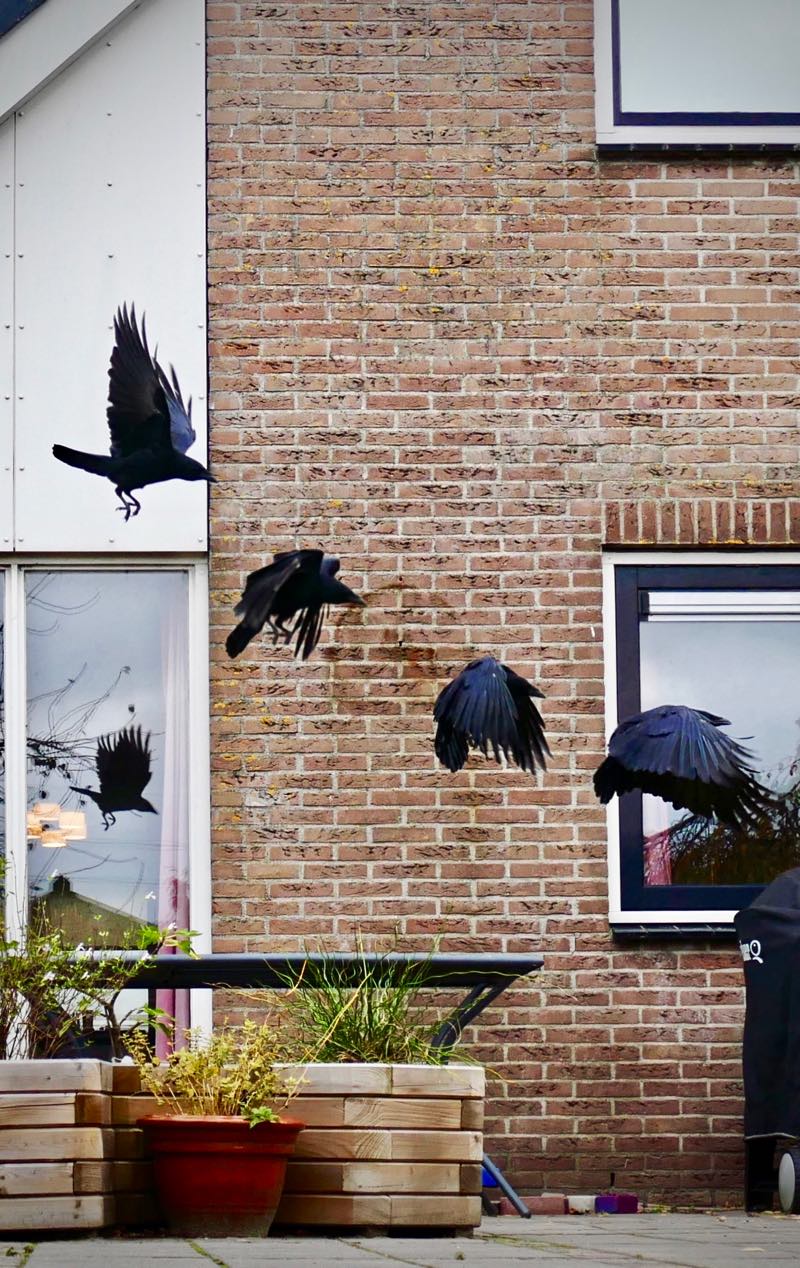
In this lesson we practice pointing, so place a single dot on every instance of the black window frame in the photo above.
(631, 582)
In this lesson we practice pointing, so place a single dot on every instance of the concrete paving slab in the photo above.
(713, 1240)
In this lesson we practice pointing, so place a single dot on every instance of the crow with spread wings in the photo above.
(123, 769)
(298, 584)
(150, 427)
(488, 706)
(680, 755)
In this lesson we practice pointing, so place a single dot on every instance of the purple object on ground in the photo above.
(616, 1204)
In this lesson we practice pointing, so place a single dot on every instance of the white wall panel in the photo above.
(110, 207)
(6, 333)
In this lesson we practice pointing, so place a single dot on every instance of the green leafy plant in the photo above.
(52, 994)
(373, 1011)
(232, 1072)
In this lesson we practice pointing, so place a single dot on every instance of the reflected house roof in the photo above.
(13, 11)
(77, 916)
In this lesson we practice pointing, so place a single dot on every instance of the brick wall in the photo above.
(454, 348)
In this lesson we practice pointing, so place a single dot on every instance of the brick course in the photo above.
(455, 348)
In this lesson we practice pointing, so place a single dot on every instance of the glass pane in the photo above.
(716, 56)
(107, 697)
(743, 670)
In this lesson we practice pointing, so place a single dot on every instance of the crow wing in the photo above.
(123, 763)
(532, 745)
(308, 628)
(182, 433)
(488, 706)
(262, 586)
(137, 413)
(679, 754)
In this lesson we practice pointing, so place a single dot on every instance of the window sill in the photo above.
(706, 931)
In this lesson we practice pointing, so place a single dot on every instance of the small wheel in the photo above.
(789, 1182)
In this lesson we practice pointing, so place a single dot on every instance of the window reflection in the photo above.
(745, 671)
(107, 699)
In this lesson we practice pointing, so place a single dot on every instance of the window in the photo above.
(697, 71)
(95, 656)
(719, 636)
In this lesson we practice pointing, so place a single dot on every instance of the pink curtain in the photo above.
(173, 890)
(657, 858)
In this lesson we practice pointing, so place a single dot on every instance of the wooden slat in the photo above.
(442, 1080)
(135, 1208)
(398, 1111)
(342, 1143)
(472, 1115)
(314, 1177)
(42, 1213)
(435, 1146)
(126, 1109)
(315, 1111)
(93, 1108)
(400, 1177)
(130, 1144)
(442, 1210)
(113, 1177)
(92, 1177)
(20, 1179)
(125, 1080)
(337, 1079)
(334, 1209)
(48, 1109)
(55, 1076)
(41, 1144)
(471, 1177)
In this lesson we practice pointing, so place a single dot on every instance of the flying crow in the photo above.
(123, 769)
(151, 428)
(298, 584)
(488, 705)
(678, 754)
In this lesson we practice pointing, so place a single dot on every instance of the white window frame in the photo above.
(15, 569)
(651, 558)
(610, 133)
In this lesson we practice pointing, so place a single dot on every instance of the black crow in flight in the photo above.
(151, 428)
(488, 705)
(123, 769)
(299, 584)
(678, 754)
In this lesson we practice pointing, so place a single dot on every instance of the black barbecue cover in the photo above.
(769, 940)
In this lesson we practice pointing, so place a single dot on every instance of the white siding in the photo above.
(6, 333)
(110, 207)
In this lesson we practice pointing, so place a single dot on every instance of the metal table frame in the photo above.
(484, 977)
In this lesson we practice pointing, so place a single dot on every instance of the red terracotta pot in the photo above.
(218, 1176)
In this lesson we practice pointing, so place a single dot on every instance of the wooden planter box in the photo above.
(59, 1166)
(386, 1146)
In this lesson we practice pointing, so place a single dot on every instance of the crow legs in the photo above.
(130, 505)
(108, 818)
(278, 628)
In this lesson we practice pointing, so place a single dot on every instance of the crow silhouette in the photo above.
(678, 754)
(299, 584)
(488, 706)
(123, 769)
(150, 427)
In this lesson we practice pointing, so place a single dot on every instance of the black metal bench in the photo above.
(482, 978)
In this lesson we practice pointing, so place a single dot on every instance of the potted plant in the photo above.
(393, 1127)
(220, 1146)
